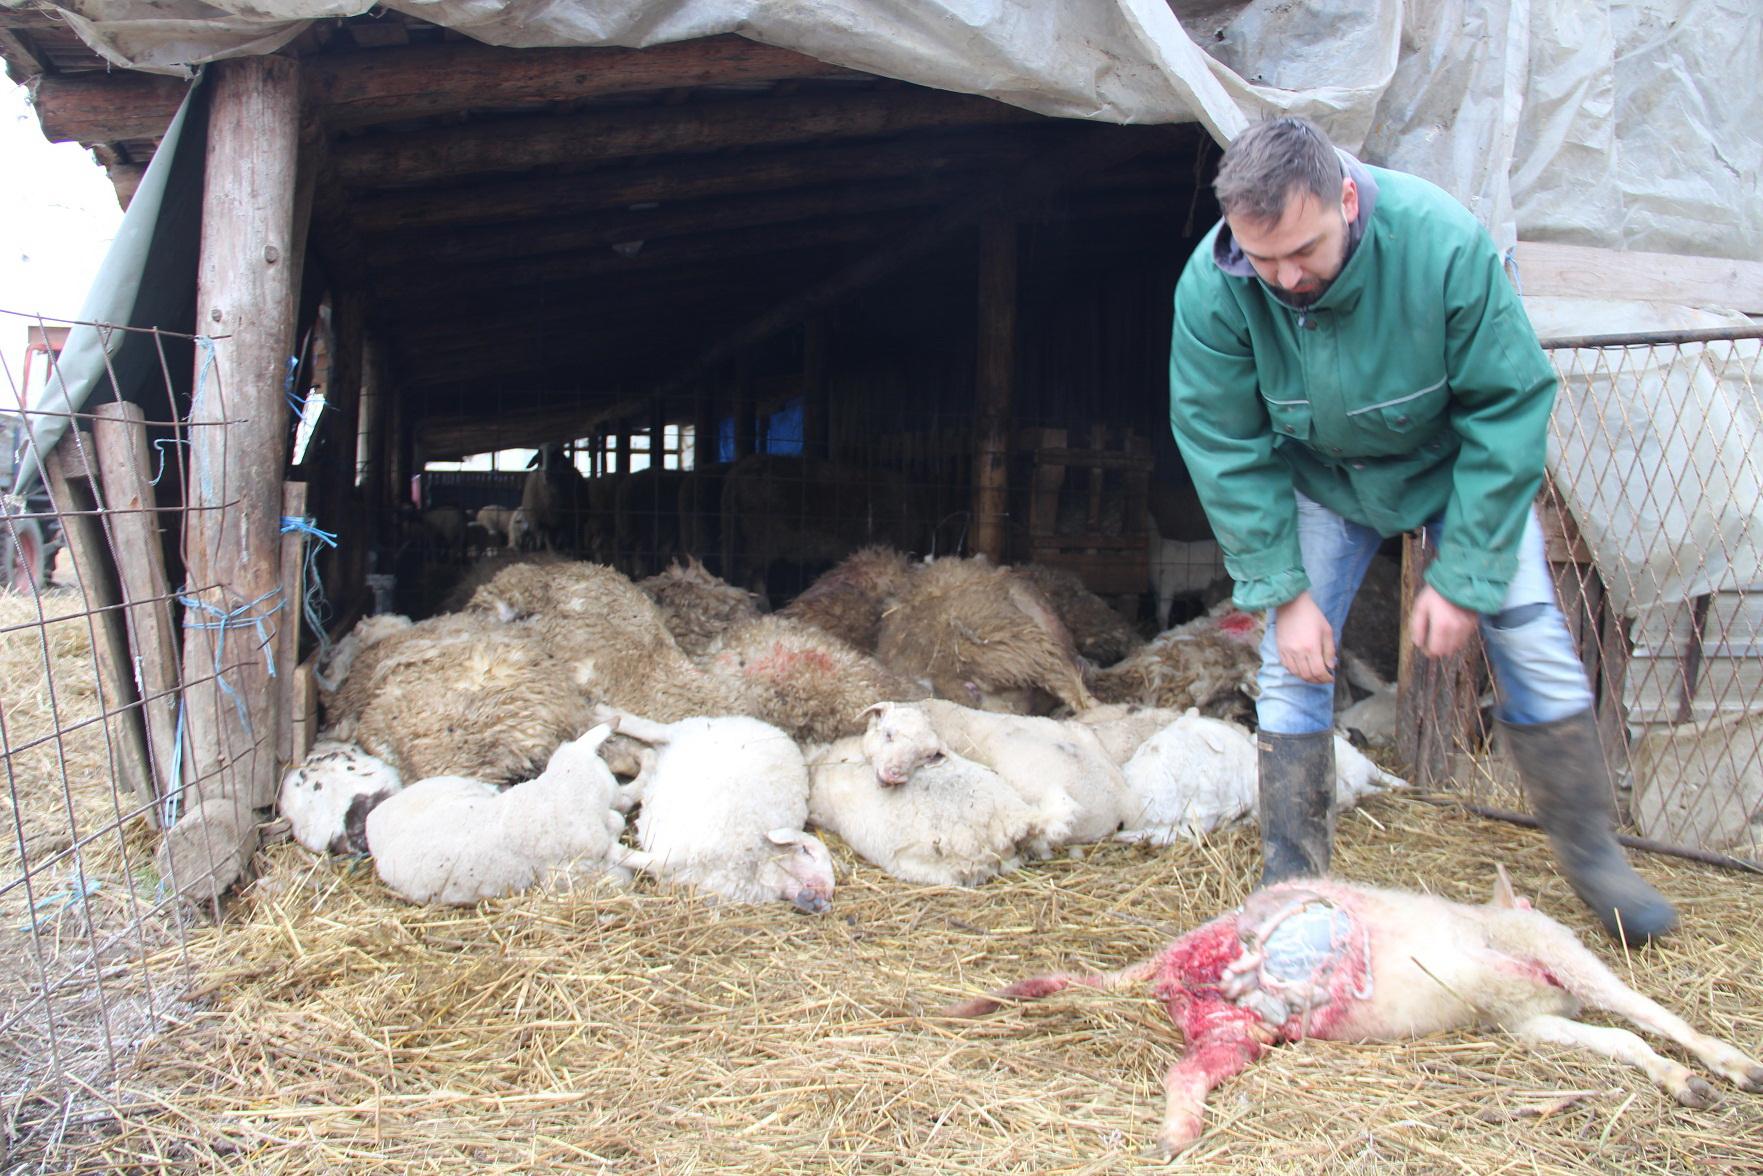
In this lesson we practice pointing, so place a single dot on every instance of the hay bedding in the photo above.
(334, 1027)
(328, 1026)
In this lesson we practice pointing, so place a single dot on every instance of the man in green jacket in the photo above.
(1349, 362)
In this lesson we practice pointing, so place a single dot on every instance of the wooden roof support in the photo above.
(995, 381)
(238, 433)
(489, 146)
(355, 90)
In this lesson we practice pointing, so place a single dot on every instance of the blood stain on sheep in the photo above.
(783, 663)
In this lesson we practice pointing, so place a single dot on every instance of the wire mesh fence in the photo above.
(95, 746)
(1654, 533)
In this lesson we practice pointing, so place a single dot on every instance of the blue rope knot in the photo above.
(313, 605)
(219, 621)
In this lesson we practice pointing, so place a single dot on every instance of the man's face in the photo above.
(1303, 251)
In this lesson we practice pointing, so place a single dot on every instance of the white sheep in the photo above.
(1123, 727)
(455, 841)
(951, 822)
(327, 798)
(1042, 759)
(724, 804)
(334, 667)
(1199, 774)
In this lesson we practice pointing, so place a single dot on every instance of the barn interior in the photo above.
(921, 318)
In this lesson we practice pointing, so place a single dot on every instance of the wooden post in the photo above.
(239, 434)
(73, 489)
(124, 466)
(745, 434)
(995, 376)
(816, 399)
(704, 440)
(287, 634)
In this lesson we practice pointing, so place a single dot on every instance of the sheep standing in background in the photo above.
(456, 841)
(950, 822)
(697, 607)
(801, 679)
(1100, 633)
(1199, 774)
(724, 803)
(983, 636)
(497, 521)
(848, 601)
(326, 799)
(1209, 663)
(551, 500)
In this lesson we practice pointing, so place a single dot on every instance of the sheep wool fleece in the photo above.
(1413, 388)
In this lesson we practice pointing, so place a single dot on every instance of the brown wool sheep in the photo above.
(983, 636)
(805, 682)
(1209, 663)
(1100, 633)
(697, 607)
(848, 601)
(467, 697)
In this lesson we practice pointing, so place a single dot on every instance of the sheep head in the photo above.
(802, 873)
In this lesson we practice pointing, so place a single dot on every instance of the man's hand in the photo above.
(1306, 642)
(1439, 628)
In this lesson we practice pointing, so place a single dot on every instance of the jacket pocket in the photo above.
(1411, 411)
(1291, 418)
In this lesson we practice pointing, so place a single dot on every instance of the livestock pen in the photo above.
(720, 300)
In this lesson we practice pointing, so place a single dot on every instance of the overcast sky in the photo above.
(58, 213)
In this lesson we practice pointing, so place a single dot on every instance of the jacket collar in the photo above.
(1228, 256)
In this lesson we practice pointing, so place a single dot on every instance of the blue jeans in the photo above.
(1536, 666)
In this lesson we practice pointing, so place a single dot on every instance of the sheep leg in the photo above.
(1675, 1079)
(638, 728)
(1207, 1063)
(1586, 977)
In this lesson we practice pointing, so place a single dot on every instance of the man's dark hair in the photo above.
(1267, 161)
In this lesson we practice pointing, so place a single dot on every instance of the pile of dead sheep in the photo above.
(906, 707)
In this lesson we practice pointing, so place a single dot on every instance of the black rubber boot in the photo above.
(1568, 785)
(1297, 804)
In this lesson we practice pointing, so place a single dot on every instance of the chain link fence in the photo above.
(1654, 519)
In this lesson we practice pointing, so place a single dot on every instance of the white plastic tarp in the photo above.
(1623, 123)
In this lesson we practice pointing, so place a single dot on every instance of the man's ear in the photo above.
(1349, 199)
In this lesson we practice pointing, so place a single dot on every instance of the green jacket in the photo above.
(1413, 387)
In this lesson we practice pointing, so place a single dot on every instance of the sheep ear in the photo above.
(1505, 898)
(874, 708)
(784, 836)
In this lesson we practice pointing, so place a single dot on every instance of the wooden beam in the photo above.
(22, 55)
(645, 226)
(73, 490)
(411, 158)
(995, 380)
(355, 90)
(1575, 271)
(287, 634)
(125, 467)
(106, 106)
(360, 89)
(531, 198)
(238, 427)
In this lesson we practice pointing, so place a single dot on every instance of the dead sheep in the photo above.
(950, 822)
(848, 600)
(1044, 760)
(803, 680)
(724, 805)
(327, 797)
(696, 606)
(1100, 633)
(1123, 727)
(612, 637)
(334, 667)
(456, 841)
(462, 695)
(1199, 774)
(1326, 959)
(1210, 663)
(983, 636)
